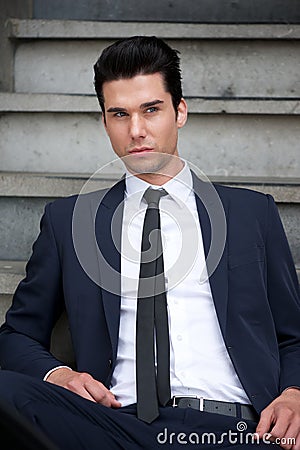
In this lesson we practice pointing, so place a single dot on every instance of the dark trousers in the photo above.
(74, 423)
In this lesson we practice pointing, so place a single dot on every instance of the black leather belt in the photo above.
(246, 412)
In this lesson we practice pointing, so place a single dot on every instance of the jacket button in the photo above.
(110, 362)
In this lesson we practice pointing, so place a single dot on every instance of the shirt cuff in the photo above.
(53, 370)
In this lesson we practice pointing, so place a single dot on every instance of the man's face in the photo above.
(141, 123)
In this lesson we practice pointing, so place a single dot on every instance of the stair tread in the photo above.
(70, 29)
(20, 102)
(12, 267)
(34, 184)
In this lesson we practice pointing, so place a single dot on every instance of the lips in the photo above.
(138, 150)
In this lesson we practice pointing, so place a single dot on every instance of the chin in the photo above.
(150, 163)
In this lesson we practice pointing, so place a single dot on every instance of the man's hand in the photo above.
(282, 420)
(84, 385)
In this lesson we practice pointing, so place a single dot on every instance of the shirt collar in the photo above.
(179, 187)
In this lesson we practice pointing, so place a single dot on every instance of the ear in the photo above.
(181, 113)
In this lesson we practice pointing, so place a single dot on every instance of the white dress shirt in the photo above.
(199, 362)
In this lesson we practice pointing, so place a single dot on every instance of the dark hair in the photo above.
(139, 55)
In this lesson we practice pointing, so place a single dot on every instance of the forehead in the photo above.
(136, 90)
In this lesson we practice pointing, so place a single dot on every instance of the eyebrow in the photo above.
(149, 104)
(115, 109)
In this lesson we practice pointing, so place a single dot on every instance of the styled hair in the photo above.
(139, 55)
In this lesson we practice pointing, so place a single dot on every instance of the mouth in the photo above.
(140, 150)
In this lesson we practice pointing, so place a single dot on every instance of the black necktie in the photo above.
(153, 386)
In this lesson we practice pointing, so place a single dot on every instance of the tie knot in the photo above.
(152, 196)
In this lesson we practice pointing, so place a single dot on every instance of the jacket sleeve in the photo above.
(284, 298)
(38, 301)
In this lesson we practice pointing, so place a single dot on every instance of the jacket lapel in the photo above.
(212, 216)
(108, 228)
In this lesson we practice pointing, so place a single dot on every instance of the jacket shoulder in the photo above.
(242, 196)
(65, 206)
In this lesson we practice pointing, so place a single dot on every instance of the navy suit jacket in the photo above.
(255, 291)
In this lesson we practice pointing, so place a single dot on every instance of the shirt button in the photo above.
(179, 337)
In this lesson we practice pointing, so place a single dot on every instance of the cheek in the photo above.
(116, 134)
(167, 131)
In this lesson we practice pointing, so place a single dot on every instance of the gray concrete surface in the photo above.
(24, 103)
(19, 227)
(70, 29)
(11, 8)
(233, 68)
(53, 142)
(13, 184)
(290, 215)
(241, 145)
(35, 185)
(20, 217)
(176, 10)
(5, 302)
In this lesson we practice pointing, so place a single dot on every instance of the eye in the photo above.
(152, 109)
(120, 114)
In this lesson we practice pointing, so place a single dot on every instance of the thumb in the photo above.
(114, 402)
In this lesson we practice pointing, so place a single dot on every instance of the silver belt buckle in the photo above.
(201, 406)
(174, 404)
(201, 400)
(174, 400)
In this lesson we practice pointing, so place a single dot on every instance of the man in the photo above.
(232, 324)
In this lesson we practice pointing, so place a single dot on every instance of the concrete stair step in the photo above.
(24, 195)
(54, 185)
(71, 29)
(20, 218)
(63, 133)
(64, 103)
(11, 273)
(256, 11)
(217, 60)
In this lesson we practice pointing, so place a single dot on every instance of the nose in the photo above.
(137, 127)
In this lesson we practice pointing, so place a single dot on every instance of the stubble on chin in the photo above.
(151, 163)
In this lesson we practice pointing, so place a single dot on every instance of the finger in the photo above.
(280, 429)
(296, 445)
(101, 394)
(286, 440)
(291, 438)
(265, 423)
(76, 382)
(79, 389)
(116, 403)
